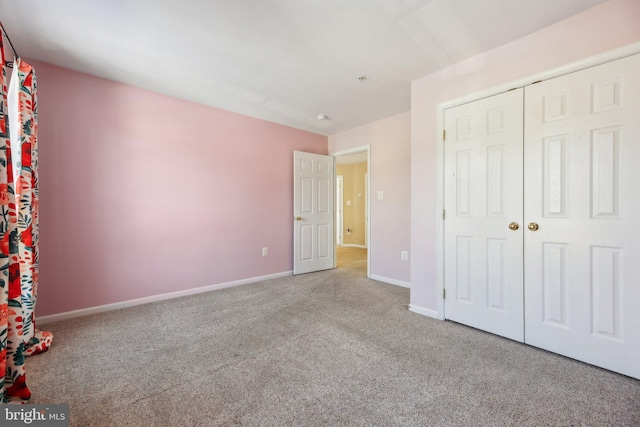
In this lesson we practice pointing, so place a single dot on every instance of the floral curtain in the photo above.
(18, 230)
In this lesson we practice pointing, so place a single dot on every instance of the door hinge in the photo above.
(444, 294)
(444, 135)
(444, 214)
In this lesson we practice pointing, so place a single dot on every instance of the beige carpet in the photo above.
(353, 259)
(323, 349)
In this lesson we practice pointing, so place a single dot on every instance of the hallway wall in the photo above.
(354, 209)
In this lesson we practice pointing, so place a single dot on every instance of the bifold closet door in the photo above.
(483, 204)
(582, 190)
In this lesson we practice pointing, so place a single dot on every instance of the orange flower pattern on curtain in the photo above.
(18, 234)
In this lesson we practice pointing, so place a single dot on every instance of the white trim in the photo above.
(155, 298)
(391, 281)
(425, 311)
(367, 205)
(354, 246)
(339, 196)
(592, 61)
(354, 150)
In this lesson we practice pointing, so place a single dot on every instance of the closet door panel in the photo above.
(582, 189)
(483, 195)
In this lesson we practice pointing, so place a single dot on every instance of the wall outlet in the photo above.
(404, 255)
(380, 194)
(265, 251)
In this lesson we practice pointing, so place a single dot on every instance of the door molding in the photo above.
(338, 208)
(591, 61)
(360, 149)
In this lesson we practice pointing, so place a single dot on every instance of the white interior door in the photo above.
(313, 199)
(483, 196)
(582, 188)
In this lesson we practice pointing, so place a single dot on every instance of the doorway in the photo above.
(352, 206)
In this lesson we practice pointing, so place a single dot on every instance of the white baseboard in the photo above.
(154, 298)
(391, 281)
(354, 246)
(424, 311)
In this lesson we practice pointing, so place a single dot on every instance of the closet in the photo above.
(542, 208)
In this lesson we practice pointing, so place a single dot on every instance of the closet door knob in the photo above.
(514, 226)
(533, 226)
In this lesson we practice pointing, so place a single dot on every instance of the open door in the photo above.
(313, 200)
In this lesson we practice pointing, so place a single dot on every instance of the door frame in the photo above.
(588, 62)
(360, 149)
(339, 201)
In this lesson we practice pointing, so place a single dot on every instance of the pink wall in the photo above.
(602, 28)
(390, 172)
(143, 194)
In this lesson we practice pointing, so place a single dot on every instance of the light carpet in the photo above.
(331, 348)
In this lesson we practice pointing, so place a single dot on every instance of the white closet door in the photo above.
(582, 188)
(483, 195)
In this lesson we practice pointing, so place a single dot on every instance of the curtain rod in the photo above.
(9, 64)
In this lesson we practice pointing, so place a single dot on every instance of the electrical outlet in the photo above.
(265, 251)
(404, 255)
(380, 194)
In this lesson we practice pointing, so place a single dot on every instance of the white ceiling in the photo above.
(285, 61)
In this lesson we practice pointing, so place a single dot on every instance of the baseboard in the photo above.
(391, 281)
(424, 311)
(354, 246)
(154, 298)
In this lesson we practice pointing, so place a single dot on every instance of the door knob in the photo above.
(298, 218)
(533, 226)
(514, 226)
